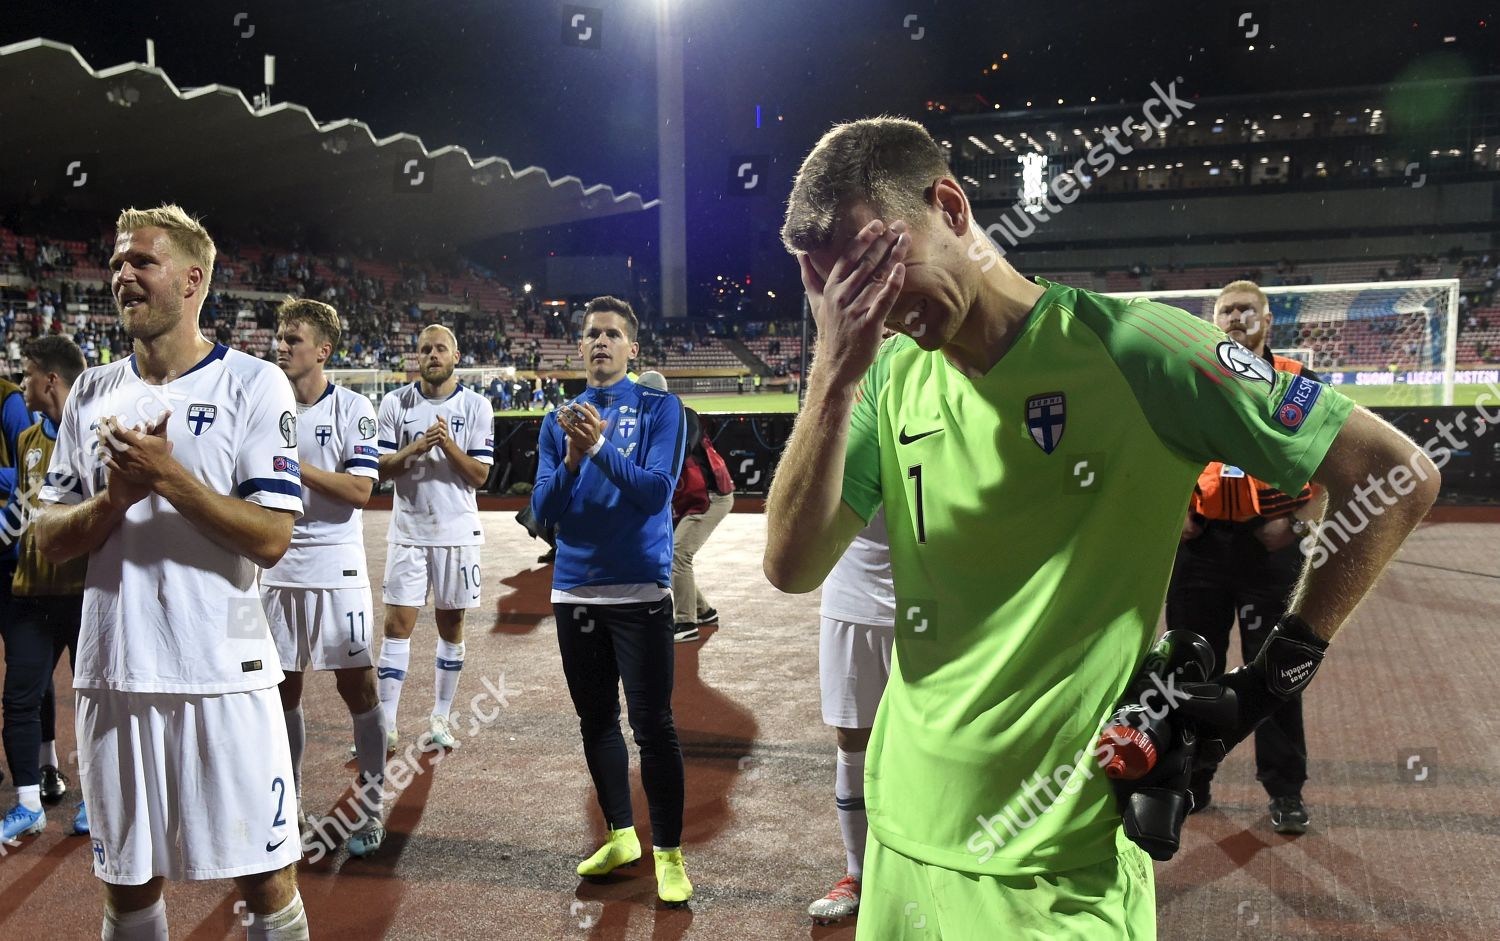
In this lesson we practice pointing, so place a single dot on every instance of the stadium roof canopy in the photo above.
(101, 139)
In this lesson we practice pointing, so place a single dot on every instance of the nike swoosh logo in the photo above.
(359, 651)
(271, 847)
(408, 421)
(656, 610)
(905, 439)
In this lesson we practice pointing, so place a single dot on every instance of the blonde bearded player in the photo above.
(317, 598)
(175, 472)
(436, 441)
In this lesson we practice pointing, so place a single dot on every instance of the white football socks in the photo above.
(395, 657)
(29, 796)
(849, 795)
(450, 663)
(148, 924)
(289, 924)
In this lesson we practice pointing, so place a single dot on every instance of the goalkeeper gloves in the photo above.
(1223, 713)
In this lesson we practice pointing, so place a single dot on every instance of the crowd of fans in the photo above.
(383, 306)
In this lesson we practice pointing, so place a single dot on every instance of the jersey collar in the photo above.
(1051, 294)
(215, 354)
(611, 392)
(417, 384)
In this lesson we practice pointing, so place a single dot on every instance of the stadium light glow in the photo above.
(1033, 181)
(526, 288)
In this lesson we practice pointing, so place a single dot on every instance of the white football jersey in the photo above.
(334, 434)
(165, 608)
(860, 589)
(434, 505)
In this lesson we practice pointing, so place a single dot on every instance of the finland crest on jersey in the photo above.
(166, 607)
(1045, 416)
(434, 505)
(328, 549)
(201, 418)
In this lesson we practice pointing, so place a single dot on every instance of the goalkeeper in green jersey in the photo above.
(1034, 453)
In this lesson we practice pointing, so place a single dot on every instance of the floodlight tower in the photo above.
(671, 160)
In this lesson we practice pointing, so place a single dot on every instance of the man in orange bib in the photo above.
(1239, 558)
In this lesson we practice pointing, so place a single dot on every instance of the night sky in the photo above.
(496, 77)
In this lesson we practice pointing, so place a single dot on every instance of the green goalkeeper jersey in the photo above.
(1033, 515)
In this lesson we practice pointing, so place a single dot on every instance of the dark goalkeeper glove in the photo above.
(1224, 713)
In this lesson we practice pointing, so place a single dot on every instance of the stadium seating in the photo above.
(385, 303)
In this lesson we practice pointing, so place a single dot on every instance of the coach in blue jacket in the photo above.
(608, 465)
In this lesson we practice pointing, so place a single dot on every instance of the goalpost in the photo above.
(1381, 342)
(370, 383)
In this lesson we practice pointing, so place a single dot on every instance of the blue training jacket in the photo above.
(614, 517)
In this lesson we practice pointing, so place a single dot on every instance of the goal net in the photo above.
(1381, 343)
(370, 383)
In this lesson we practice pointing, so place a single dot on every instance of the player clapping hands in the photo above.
(583, 427)
(137, 457)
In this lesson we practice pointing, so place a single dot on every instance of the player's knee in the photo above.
(132, 898)
(25, 685)
(357, 687)
(290, 691)
(266, 892)
(399, 621)
(653, 727)
(599, 724)
(853, 740)
(450, 625)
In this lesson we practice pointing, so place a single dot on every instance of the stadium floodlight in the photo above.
(1033, 181)
(526, 288)
(1379, 342)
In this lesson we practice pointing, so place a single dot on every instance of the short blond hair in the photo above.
(184, 231)
(1262, 303)
(316, 314)
(437, 326)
